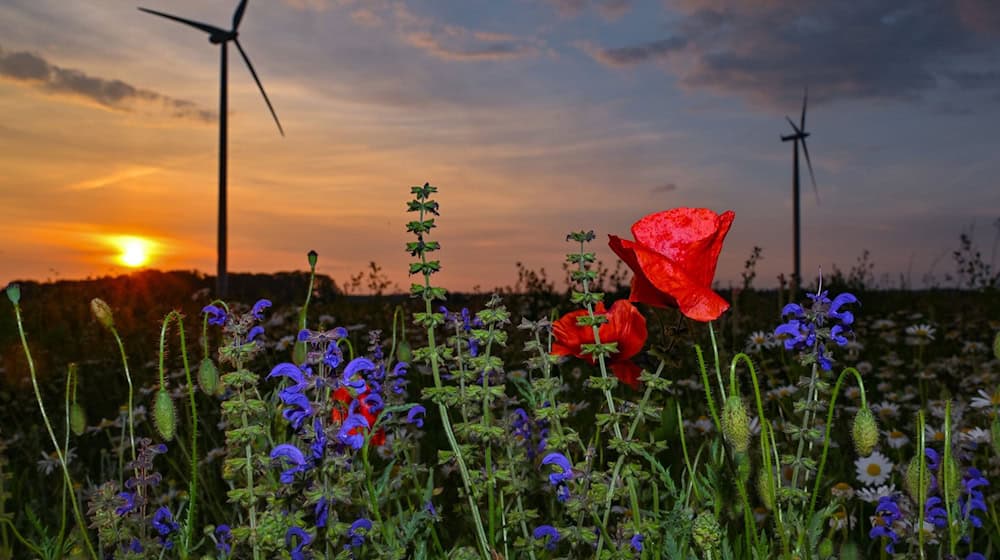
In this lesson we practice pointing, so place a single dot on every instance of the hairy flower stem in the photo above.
(131, 396)
(67, 480)
(718, 369)
(193, 483)
(807, 419)
(826, 438)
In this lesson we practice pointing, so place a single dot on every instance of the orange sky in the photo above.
(527, 120)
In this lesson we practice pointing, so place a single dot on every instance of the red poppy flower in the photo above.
(673, 259)
(343, 398)
(625, 325)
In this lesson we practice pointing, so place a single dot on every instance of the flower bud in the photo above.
(865, 432)
(949, 477)
(403, 352)
(14, 293)
(736, 424)
(914, 483)
(764, 490)
(706, 532)
(77, 418)
(996, 346)
(826, 548)
(102, 312)
(208, 377)
(299, 353)
(313, 257)
(164, 415)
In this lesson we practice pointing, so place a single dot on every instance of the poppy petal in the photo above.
(643, 290)
(627, 327)
(691, 237)
(695, 301)
(627, 372)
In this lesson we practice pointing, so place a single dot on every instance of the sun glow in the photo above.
(135, 251)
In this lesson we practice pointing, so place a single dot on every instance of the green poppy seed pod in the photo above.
(865, 432)
(403, 352)
(299, 353)
(825, 548)
(996, 345)
(208, 377)
(764, 490)
(102, 312)
(14, 293)
(77, 418)
(949, 477)
(736, 424)
(313, 257)
(913, 482)
(164, 415)
(706, 532)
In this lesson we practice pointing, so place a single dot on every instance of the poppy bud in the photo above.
(77, 418)
(996, 345)
(914, 483)
(825, 548)
(865, 432)
(164, 415)
(208, 377)
(403, 352)
(949, 477)
(764, 490)
(736, 424)
(299, 353)
(313, 257)
(706, 532)
(102, 312)
(14, 293)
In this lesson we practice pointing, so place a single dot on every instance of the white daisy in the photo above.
(919, 334)
(842, 490)
(872, 495)
(974, 347)
(758, 340)
(976, 436)
(986, 400)
(896, 438)
(840, 519)
(886, 410)
(873, 469)
(883, 324)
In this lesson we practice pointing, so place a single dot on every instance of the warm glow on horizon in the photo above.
(135, 251)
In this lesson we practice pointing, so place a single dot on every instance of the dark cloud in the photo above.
(31, 69)
(664, 188)
(471, 47)
(767, 50)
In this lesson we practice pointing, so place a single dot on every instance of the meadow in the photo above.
(298, 419)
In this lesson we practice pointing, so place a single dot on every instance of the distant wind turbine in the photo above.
(799, 136)
(220, 37)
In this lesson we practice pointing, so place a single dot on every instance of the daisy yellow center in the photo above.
(995, 399)
(938, 436)
(895, 434)
(874, 469)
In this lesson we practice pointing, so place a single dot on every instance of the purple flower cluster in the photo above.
(528, 431)
(972, 498)
(886, 515)
(811, 331)
(558, 479)
(467, 322)
(550, 534)
(163, 522)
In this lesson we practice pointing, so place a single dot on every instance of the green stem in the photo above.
(193, 483)
(921, 488)
(807, 420)
(67, 480)
(131, 397)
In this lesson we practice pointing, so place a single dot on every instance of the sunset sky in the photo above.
(532, 117)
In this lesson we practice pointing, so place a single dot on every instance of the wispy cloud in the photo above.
(635, 54)
(664, 188)
(126, 174)
(30, 69)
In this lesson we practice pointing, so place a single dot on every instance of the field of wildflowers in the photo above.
(656, 420)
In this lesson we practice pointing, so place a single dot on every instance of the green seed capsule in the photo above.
(826, 548)
(14, 293)
(996, 346)
(706, 532)
(995, 433)
(313, 256)
(913, 482)
(299, 353)
(764, 490)
(403, 352)
(865, 432)
(208, 377)
(164, 415)
(77, 418)
(736, 424)
(949, 477)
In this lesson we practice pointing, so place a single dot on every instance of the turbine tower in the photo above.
(222, 37)
(798, 137)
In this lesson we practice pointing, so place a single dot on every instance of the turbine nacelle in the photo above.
(219, 38)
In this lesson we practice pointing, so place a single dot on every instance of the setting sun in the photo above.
(135, 251)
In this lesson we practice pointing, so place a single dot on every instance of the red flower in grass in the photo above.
(673, 259)
(342, 403)
(625, 325)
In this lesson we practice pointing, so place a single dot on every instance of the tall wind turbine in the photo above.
(221, 37)
(798, 137)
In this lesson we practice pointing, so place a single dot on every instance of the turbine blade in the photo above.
(210, 29)
(791, 122)
(238, 14)
(259, 85)
(805, 148)
(805, 100)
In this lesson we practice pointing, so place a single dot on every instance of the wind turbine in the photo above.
(798, 137)
(221, 37)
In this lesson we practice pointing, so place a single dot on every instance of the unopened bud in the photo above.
(403, 352)
(208, 377)
(706, 532)
(77, 418)
(736, 424)
(764, 490)
(299, 353)
(102, 312)
(313, 257)
(14, 293)
(949, 477)
(915, 484)
(164, 415)
(996, 346)
(865, 432)
(826, 548)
